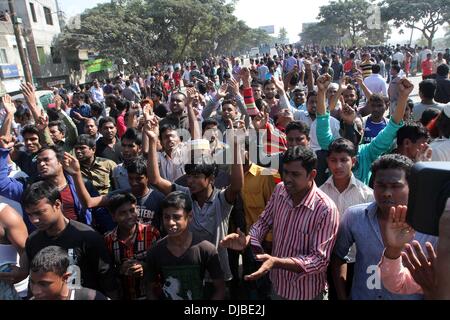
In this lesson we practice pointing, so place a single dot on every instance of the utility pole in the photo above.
(18, 34)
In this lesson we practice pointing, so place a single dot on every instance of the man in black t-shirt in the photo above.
(108, 146)
(86, 248)
(50, 274)
(177, 264)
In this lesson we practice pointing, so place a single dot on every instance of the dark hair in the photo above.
(38, 191)
(396, 67)
(305, 155)
(259, 103)
(51, 259)
(428, 115)
(166, 127)
(122, 104)
(428, 88)
(392, 161)
(412, 131)
(96, 108)
(85, 140)
(30, 129)
(376, 98)
(105, 120)
(157, 93)
(229, 101)
(120, 199)
(127, 83)
(137, 166)
(443, 125)
(256, 83)
(59, 151)
(58, 123)
(178, 200)
(376, 68)
(134, 135)
(311, 94)
(208, 122)
(297, 125)
(267, 82)
(342, 145)
(208, 168)
(443, 70)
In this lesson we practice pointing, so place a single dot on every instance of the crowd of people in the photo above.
(283, 177)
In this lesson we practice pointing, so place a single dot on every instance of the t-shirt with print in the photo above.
(211, 222)
(181, 278)
(372, 129)
(89, 251)
(148, 207)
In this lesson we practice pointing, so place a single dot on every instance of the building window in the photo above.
(3, 57)
(56, 56)
(33, 12)
(48, 16)
(42, 56)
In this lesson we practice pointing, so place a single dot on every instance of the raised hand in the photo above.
(424, 153)
(42, 122)
(397, 232)
(8, 104)
(190, 93)
(71, 164)
(358, 78)
(348, 114)
(7, 142)
(222, 92)
(28, 92)
(58, 102)
(151, 127)
(234, 85)
(235, 241)
(405, 87)
(307, 64)
(323, 82)
(422, 269)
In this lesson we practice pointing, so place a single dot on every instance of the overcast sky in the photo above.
(280, 13)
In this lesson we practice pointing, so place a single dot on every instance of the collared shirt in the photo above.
(376, 84)
(360, 225)
(356, 193)
(259, 184)
(97, 94)
(305, 117)
(120, 177)
(100, 173)
(306, 233)
(171, 168)
(210, 222)
(142, 240)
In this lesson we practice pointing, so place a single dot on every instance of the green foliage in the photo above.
(148, 31)
(425, 16)
(348, 20)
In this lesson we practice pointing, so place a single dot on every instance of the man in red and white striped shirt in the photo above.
(304, 222)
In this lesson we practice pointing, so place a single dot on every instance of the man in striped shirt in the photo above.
(304, 222)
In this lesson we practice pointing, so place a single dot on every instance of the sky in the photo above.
(289, 14)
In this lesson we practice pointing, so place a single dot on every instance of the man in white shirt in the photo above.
(375, 82)
(97, 92)
(398, 56)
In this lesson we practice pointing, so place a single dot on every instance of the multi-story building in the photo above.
(40, 25)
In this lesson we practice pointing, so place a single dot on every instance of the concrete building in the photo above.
(40, 27)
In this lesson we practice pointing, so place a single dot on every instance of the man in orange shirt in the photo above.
(427, 67)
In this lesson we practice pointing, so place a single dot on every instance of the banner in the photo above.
(98, 65)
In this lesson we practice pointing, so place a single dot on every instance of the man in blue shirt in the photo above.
(364, 225)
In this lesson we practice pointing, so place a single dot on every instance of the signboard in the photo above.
(8, 71)
(268, 29)
(98, 65)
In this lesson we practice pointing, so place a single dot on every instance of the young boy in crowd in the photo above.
(176, 266)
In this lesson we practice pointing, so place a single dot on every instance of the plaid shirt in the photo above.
(143, 239)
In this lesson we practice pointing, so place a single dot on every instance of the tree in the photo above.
(346, 16)
(320, 34)
(425, 16)
(283, 35)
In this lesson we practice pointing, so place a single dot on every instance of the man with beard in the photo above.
(178, 116)
(109, 146)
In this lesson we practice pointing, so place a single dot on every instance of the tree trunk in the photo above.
(186, 39)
